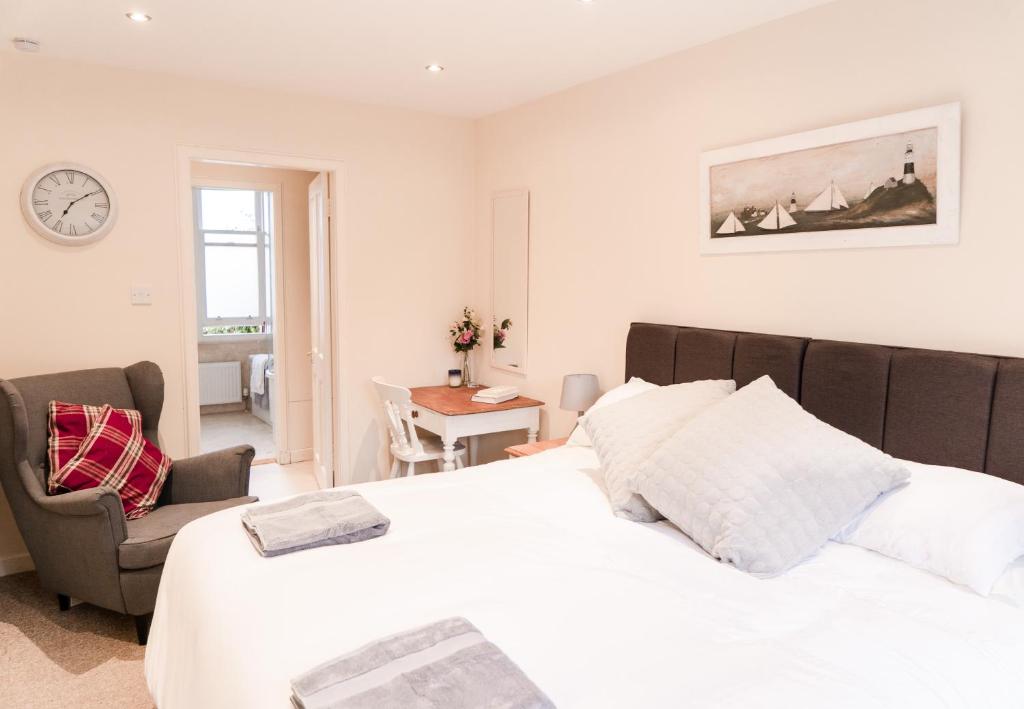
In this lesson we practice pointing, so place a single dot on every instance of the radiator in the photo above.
(220, 383)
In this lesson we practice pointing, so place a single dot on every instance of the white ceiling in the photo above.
(497, 53)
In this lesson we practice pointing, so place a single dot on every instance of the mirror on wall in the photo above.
(510, 265)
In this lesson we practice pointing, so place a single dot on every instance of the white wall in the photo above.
(612, 169)
(407, 202)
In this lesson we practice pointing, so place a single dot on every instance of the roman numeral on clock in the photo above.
(71, 177)
(55, 180)
(102, 205)
(44, 216)
(98, 218)
(40, 202)
(74, 232)
(59, 225)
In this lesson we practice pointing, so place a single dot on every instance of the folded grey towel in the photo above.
(447, 664)
(315, 519)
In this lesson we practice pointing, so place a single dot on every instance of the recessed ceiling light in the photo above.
(24, 44)
(434, 68)
(585, 2)
(138, 16)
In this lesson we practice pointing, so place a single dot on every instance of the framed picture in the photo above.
(889, 181)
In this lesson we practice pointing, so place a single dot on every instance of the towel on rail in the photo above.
(446, 664)
(258, 363)
(314, 519)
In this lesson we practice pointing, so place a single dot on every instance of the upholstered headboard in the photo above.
(944, 408)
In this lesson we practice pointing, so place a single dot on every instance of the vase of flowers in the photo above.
(465, 335)
(501, 332)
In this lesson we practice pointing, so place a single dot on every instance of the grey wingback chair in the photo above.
(80, 542)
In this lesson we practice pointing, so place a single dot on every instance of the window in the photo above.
(233, 260)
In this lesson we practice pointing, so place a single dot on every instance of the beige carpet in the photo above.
(83, 657)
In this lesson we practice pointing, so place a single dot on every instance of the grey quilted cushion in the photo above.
(626, 433)
(762, 484)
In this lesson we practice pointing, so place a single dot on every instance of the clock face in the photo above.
(68, 204)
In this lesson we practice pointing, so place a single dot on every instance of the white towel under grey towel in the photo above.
(315, 519)
(445, 665)
(258, 366)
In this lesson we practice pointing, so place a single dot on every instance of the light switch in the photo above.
(142, 295)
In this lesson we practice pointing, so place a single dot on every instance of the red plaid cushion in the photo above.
(69, 424)
(116, 455)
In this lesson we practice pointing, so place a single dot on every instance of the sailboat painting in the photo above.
(890, 181)
(829, 199)
(778, 218)
(731, 225)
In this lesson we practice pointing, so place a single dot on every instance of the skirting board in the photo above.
(296, 456)
(16, 564)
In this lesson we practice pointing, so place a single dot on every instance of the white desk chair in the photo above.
(408, 445)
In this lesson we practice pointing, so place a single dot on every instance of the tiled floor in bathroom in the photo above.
(231, 429)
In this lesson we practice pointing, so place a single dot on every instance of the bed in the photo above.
(603, 612)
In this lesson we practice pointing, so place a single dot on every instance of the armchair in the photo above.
(81, 543)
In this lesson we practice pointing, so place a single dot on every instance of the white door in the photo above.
(320, 356)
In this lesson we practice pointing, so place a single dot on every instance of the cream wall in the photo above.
(293, 249)
(612, 170)
(406, 203)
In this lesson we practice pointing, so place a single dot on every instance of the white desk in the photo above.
(450, 413)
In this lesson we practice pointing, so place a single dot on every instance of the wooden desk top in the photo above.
(450, 401)
(525, 449)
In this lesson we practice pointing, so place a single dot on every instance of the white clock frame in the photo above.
(33, 219)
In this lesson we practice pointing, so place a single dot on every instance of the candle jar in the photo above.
(454, 378)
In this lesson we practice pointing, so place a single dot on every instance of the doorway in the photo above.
(259, 358)
(238, 238)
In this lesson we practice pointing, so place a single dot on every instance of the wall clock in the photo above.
(69, 204)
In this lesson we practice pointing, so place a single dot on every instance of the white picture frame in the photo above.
(945, 119)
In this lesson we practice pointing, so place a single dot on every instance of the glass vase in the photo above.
(467, 369)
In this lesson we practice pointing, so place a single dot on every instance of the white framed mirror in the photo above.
(510, 278)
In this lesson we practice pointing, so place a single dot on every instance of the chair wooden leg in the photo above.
(63, 602)
(142, 627)
(394, 469)
(412, 469)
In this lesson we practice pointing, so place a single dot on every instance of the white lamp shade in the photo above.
(579, 392)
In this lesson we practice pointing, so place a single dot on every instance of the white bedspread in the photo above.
(598, 611)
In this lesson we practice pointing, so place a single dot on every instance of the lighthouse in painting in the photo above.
(792, 202)
(908, 165)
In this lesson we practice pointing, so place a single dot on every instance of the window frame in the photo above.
(264, 197)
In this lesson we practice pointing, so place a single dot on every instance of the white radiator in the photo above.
(220, 383)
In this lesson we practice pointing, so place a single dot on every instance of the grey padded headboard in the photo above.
(944, 408)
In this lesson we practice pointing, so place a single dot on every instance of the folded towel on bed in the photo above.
(445, 664)
(315, 519)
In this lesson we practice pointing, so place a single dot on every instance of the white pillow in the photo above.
(625, 434)
(760, 483)
(965, 526)
(1010, 586)
(634, 386)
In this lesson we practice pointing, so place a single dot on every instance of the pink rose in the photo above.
(465, 337)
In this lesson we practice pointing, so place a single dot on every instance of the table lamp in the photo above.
(579, 392)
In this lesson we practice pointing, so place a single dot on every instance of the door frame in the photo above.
(185, 156)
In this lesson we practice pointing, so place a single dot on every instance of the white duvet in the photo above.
(597, 610)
